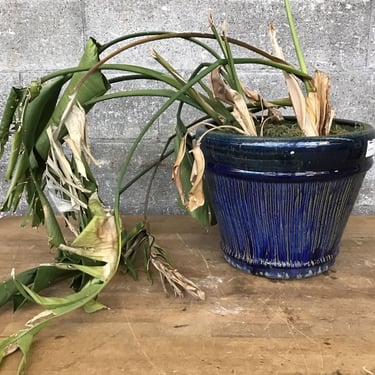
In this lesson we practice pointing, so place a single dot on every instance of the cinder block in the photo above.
(111, 154)
(40, 35)
(352, 95)
(334, 34)
(371, 51)
(7, 81)
(123, 118)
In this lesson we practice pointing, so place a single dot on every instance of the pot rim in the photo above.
(368, 132)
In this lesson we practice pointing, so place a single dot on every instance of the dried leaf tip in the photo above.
(154, 53)
(210, 20)
(224, 28)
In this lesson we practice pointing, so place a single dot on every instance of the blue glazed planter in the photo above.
(282, 203)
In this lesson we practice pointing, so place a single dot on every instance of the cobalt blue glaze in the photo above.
(282, 203)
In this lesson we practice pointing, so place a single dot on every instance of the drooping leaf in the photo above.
(134, 242)
(24, 344)
(196, 193)
(105, 241)
(18, 181)
(15, 98)
(23, 338)
(95, 85)
(54, 232)
(234, 98)
(39, 111)
(204, 214)
(8, 289)
(36, 278)
(98, 241)
(29, 118)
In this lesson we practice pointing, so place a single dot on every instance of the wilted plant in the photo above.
(49, 161)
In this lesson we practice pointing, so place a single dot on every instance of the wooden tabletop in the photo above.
(246, 325)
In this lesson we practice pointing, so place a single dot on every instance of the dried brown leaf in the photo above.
(60, 178)
(76, 125)
(324, 112)
(295, 92)
(319, 112)
(228, 95)
(175, 279)
(196, 194)
(176, 170)
(255, 97)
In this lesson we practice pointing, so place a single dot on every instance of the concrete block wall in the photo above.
(37, 37)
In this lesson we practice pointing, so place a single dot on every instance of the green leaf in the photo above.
(37, 278)
(23, 339)
(55, 235)
(133, 242)
(18, 168)
(97, 272)
(39, 111)
(52, 303)
(46, 275)
(297, 45)
(81, 298)
(94, 306)
(8, 289)
(14, 154)
(32, 119)
(95, 85)
(24, 344)
(15, 98)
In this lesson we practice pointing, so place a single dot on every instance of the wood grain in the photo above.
(246, 325)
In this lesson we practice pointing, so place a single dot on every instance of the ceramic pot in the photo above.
(282, 203)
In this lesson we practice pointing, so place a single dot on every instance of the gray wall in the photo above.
(36, 37)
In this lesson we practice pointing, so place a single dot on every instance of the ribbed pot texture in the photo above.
(282, 203)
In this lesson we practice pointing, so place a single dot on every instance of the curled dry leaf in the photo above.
(234, 98)
(295, 92)
(176, 170)
(195, 197)
(196, 193)
(61, 181)
(318, 108)
(313, 112)
(77, 138)
(254, 97)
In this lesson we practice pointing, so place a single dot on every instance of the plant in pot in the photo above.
(281, 189)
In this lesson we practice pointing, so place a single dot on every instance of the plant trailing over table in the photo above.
(49, 159)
